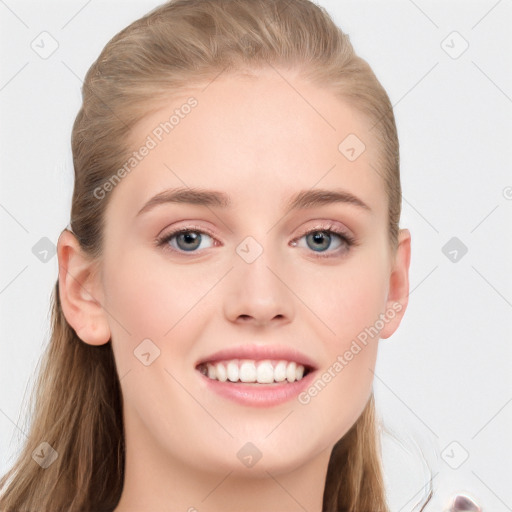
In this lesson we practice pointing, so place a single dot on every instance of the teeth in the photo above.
(233, 371)
(220, 371)
(212, 371)
(290, 372)
(248, 372)
(263, 372)
(280, 371)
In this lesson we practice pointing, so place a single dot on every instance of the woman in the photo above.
(233, 257)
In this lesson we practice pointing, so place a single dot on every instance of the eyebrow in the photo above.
(204, 197)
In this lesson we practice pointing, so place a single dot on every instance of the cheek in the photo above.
(148, 297)
(349, 297)
(350, 303)
(151, 295)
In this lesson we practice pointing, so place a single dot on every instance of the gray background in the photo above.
(443, 381)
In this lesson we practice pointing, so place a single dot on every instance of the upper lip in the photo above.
(259, 353)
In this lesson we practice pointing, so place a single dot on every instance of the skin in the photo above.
(260, 142)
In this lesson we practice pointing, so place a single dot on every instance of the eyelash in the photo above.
(330, 229)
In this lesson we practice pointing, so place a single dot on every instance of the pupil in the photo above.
(318, 236)
(189, 237)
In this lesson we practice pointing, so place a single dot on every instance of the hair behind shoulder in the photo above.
(182, 43)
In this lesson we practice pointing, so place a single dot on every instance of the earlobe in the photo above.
(398, 295)
(80, 291)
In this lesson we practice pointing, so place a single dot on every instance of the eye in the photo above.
(321, 239)
(186, 239)
(189, 239)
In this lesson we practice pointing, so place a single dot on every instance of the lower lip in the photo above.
(258, 395)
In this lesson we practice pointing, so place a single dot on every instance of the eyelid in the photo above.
(348, 243)
(186, 227)
(162, 240)
(327, 226)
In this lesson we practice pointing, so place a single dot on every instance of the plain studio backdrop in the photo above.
(443, 381)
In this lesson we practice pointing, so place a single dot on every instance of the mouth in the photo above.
(256, 375)
(256, 372)
(256, 383)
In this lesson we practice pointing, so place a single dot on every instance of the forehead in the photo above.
(252, 136)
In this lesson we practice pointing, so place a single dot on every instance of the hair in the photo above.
(77, 401)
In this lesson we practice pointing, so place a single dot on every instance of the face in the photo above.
(299, 284)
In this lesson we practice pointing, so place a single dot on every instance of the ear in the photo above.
(398, 294)
(80, 291)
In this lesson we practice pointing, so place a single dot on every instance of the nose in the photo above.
(259, 294)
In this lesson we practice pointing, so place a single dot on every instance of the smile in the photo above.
(251, 371)
(256, 383)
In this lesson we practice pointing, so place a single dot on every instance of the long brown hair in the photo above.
(78, 401)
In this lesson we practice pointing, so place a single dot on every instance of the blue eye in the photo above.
(185, 239)
(320, 240)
